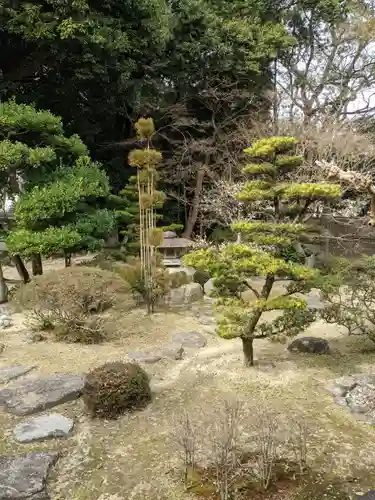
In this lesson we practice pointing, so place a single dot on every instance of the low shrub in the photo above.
(66, 300)
(115, 388)
(201, 277)
(348, 289)
(106, 259)
(163, 282)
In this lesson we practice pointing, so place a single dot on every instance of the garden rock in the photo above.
(361, 399)
(311, 345)
(10, 372)
(176, 296)
(193, 293)
(145, 357)
(43, 427)
(209, 287)
(346, 383)
(172, 351)
(24, 477)
(38, 394)
(314, 301)
(357, 394)
(190, 339)
(185, 294)
(370, 495)
(33, 338)
(5, 321)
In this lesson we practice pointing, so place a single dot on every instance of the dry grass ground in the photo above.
(132, 458)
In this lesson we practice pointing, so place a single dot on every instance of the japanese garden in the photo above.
(187, 250)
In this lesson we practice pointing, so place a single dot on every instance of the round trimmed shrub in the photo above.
(201, 277)
(115, 388)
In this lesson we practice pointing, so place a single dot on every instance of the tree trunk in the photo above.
(193, 212)
(248, 351)
(68, 260)
(37, 266)
(247, 342)
(21, 268)
(3, 287)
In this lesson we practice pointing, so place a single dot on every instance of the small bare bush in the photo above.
(219, 457)
(225, 447)
(265, 435)
(186, 438)
(66, 300)
(298, 438)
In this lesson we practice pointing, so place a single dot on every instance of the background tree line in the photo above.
(209, 73)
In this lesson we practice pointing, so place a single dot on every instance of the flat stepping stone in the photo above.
(10, 372)
(144, 357)
(172, 351)
(39, 394)
(43, 427)
(24, 477)
(190, 339)
(370, 495)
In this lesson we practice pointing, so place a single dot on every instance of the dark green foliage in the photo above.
(201, 277)
(62, 200)
(85, 61)
(115, 388)
(33, 144)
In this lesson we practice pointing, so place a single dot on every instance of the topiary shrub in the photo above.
(115, 388)
(66, 300)
(201, 277)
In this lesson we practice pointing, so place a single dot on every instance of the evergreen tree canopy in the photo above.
(271, 247)
(62, 193)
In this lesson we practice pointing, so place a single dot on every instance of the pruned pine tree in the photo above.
(33, 146)
(272, 247)
(147, 160)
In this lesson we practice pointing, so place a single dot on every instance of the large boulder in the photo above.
(193, 293)
(38, 394)
(310, 345)
(185, 294)
(23, 477)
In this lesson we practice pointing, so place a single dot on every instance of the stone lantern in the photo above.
(173, 249)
